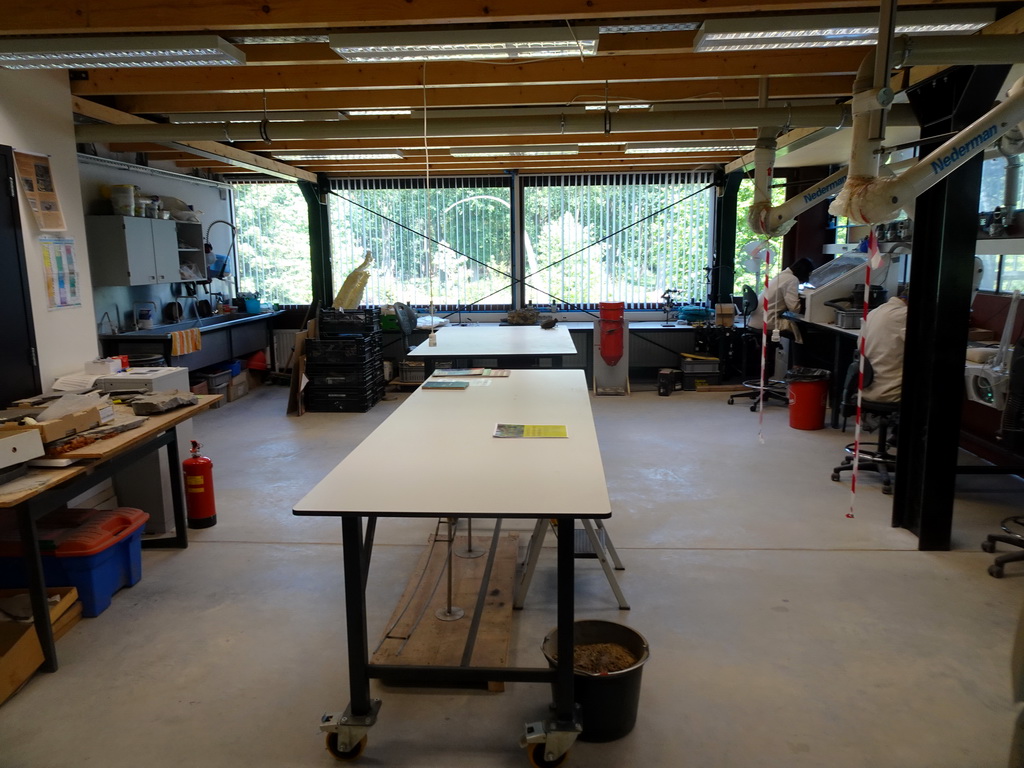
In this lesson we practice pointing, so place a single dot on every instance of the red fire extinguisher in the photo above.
(199, 501)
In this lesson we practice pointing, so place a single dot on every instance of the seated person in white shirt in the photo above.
(783, 296)
(885, 333)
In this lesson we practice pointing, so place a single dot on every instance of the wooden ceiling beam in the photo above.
(125, 16)
(254, 163)
(345, 76)
(728, 89)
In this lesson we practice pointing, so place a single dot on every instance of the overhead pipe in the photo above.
(536, 125)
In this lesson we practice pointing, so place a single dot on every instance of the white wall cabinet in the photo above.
(130, 250)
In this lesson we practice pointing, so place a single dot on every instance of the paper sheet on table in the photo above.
(75, 382)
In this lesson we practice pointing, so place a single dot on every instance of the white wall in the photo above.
(35, 116)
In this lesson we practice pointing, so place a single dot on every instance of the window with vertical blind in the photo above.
(450, 244)
(586, 238)
(617, 237)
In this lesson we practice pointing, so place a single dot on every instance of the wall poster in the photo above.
(61, 268)
(37, 184)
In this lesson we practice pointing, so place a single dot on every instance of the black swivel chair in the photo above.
(774, 389)
(1011, 431)
(877, 456)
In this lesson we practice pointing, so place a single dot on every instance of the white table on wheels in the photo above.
(512, 345)
(476, 476)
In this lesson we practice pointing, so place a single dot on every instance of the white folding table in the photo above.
(514, 346)
(479, 476)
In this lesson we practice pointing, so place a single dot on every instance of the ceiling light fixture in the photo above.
(658, 149)
(614, 107)
(286, 116)
(541, 42)
(837, 29)
(383, 154)
(95, 52)
(378, 112)
(518, 151)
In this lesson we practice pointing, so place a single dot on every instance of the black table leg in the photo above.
(37, 587)
(355, 616)
(564, 710)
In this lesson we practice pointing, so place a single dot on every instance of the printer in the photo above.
(144, 380)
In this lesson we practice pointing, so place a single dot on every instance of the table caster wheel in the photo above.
(730, 401)
(995, 571)
(988, 546)
(352, 754)
(835, 477)
(887, 490)
(753, 408)
(537, 760)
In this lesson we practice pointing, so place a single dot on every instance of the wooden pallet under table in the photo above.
(414, 636)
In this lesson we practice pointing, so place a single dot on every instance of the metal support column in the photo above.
(723, 272)
(316, 196)
(942, 269)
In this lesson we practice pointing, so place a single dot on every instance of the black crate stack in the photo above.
(345, 364)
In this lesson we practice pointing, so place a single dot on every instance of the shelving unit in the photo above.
(191, 254)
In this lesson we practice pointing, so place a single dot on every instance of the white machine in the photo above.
(988, 383)
(837, 278)
(145, 380)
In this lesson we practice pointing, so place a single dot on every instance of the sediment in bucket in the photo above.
(608, 702)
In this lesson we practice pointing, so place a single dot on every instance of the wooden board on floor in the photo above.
(415, 636)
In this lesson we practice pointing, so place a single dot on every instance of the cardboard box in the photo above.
(725, 315)
(239, 387)
(20, 652)
(54, 429)
(202, 388)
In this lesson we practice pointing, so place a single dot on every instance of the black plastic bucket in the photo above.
(608, 702)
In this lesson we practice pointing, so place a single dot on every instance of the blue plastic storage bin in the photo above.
(95, 551)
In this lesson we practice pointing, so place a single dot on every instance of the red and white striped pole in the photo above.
(874, 261)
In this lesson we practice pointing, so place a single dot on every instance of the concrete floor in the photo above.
(783, 634)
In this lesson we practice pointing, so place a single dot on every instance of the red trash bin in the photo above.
(807, 403)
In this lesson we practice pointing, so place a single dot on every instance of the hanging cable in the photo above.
(432, 339)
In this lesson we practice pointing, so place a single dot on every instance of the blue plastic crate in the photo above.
(97, 576)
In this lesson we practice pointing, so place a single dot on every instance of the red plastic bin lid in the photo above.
(78, 532)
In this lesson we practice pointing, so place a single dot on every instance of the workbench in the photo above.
(480, 476)
(42, 490)
(511, 346)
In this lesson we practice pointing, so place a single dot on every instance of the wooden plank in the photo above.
(415, 636)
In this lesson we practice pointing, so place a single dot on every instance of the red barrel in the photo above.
(807, 403)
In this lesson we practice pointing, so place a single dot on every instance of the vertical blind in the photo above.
(587, 238)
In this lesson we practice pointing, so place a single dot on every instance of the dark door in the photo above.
(18, 361)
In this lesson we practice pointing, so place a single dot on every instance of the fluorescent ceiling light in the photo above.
(519, 151)
(831, 30)
(286, 116)
(675, 147)
(369, 112)
(614, 107)
(370, 154)
(93, 52)
(470, 44)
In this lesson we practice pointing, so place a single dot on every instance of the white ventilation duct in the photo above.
(769, 221)
(868, 199)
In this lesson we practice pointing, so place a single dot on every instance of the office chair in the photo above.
(774, 389)
(406, 316)
(1011, 431)
(877, 456)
